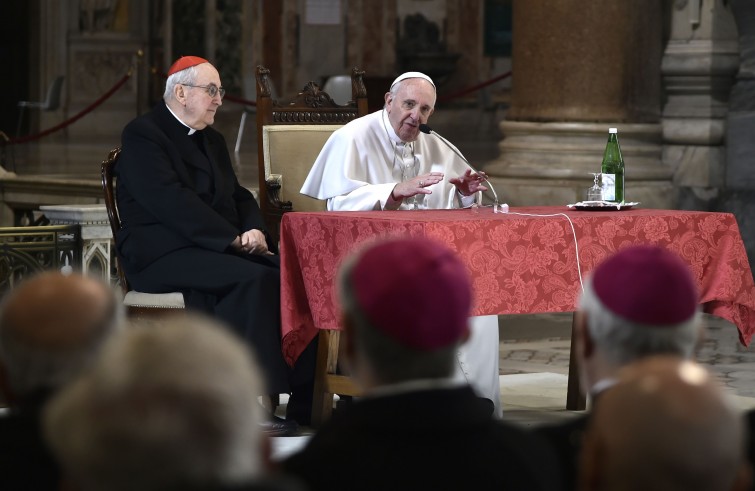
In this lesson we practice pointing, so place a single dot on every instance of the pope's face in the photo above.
(200, 107)
(412, 106)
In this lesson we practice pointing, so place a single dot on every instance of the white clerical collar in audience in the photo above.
(191, 130)
(602, 385)
(415, 385)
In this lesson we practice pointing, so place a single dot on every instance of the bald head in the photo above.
(182, 393)
(53, 311)
(50, 325)
(665, 425)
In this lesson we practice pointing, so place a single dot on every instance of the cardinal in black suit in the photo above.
(189, 226)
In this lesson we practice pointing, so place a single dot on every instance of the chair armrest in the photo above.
(272, 188)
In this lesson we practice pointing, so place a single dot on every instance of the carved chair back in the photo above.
(290, 135)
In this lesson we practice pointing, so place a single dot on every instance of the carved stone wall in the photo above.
(738, 195)
(699, 63)
(93, 44)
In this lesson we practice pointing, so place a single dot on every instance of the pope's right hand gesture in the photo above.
(416, 185)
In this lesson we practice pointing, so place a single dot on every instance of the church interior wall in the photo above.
(95, 43)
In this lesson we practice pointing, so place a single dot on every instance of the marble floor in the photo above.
(536, 368)
(534, 365)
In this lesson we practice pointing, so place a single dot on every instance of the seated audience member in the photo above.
(666, 425)
(382, 161)
(639, 302)
(51, 327)
(750, 422)
(189, 226)
(416, 426)
(165, 407)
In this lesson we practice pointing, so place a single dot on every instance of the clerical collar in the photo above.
(398, 143)
(602, 385)
(415, 385)
(191, 130)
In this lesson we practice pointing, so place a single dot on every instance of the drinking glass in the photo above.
(595, 193)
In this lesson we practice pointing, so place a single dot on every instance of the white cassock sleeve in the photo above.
(350, 171)
(364, 198)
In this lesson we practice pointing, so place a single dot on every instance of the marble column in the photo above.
(738, 196)
(580, 67)
(699, 64)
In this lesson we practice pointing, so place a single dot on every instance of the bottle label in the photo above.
(609, 186)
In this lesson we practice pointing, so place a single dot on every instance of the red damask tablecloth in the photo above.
(519, 264)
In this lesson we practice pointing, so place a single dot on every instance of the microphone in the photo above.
(429, 131)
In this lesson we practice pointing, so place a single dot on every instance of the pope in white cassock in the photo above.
(383, 162)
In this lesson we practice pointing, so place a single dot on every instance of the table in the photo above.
(519, 264)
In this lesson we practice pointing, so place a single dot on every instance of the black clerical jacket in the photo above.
(171, 195)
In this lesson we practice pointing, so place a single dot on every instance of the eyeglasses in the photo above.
(212, 89)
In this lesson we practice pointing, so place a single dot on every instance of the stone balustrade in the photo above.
(96, 236)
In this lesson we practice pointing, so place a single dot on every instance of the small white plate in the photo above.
(602, 206)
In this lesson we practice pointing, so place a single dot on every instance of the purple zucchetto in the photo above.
(646, 284)
(416, 291)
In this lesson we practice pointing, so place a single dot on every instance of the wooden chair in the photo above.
(138, 304)
(290, 135)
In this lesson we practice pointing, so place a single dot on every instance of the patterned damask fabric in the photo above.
(519, 264)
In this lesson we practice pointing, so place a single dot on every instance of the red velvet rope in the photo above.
(228, 97)
(75, 118)
(445, 98)
(479, 86)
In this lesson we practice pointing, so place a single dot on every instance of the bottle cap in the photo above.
(612, 130)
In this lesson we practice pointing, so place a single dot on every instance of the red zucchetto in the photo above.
(185, 62)
(648, 285)
(416, 291)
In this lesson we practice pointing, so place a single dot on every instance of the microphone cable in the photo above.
(424, 128)
(574, 234)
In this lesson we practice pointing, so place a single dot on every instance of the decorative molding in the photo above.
(27, 250)
(96, 237)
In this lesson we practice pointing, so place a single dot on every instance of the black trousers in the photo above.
(241, 290)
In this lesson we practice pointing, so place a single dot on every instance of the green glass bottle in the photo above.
(612, 169)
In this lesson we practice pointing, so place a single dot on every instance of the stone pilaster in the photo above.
(738, 196)
(740, 168)
(580, 67)
(698, 69)
(102, 45)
